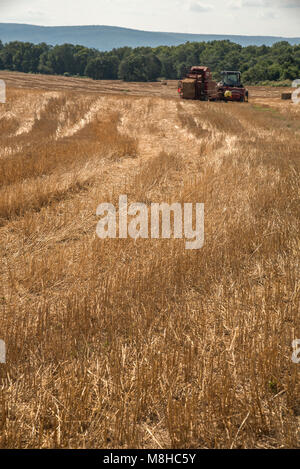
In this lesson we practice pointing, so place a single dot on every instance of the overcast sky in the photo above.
(252, 17)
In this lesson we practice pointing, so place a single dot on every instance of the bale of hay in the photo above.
(164, 83)
(189, 88)
(286, 96)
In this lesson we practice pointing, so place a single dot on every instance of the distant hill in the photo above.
(108, 37)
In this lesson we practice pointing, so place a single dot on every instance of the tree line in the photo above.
(279, 62)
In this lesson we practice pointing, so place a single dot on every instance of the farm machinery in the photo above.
(198, 84)
(231, 86)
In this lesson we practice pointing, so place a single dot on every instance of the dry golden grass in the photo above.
(143, 344)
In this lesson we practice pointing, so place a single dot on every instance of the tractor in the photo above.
(231, 87)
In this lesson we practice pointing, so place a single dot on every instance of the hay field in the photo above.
(123, 344)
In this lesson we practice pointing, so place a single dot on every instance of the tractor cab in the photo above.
(231, 79)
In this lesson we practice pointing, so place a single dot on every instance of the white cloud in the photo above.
(244, 3)
(264, 4)
(267, 15)
(199, 7)
(291, 4)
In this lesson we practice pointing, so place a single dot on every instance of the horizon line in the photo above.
(148, 31)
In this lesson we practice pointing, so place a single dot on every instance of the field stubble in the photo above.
(119, 343)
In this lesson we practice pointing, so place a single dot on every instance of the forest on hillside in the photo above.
(258, 64)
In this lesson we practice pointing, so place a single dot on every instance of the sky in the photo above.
(246, 17)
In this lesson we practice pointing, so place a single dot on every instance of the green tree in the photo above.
(45, 65)
(100, 68)
(140, 67)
